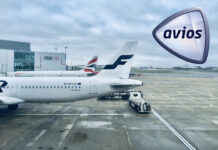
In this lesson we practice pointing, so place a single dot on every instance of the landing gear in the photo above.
(13, 107)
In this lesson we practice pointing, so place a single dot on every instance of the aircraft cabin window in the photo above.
(65, 87)
(68, 86)
(25, 86)
(72, 86)
(58, 87)
(7, 86)
(36, 86)
(47, 86)
(33, 87)
(51, 87)
(29, 87)
(61, 86)
(22, 87)
(43, 87)
(54, 86)
(40, 87)
(75, 86)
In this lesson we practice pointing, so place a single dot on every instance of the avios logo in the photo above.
(185, 34)
(182, 34)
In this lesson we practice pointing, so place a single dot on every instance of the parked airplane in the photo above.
(112, 78)
(88, 70)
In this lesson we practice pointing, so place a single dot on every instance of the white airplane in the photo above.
(112, 78)
(88, 70)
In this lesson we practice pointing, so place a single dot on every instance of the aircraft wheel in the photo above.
(130, 103)
(138, 108)
(13, 107)
(148, 107)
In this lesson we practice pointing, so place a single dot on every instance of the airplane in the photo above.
(112, 78)
(88, 70)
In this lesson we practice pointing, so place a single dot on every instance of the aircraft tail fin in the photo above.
(91, 66)
(120, 65)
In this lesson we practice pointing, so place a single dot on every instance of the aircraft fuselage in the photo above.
(57, 89)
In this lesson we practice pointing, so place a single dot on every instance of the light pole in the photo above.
(65, 55)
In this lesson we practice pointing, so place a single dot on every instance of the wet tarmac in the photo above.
(189, 104)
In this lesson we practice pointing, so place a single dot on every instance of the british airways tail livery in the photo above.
(88, 70)
(113, 78)
(91, 66)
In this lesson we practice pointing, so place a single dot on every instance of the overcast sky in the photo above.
(99, 27)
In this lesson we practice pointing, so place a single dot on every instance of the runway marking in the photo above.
(215, 121)
(3, 144)
(36, 138)
(179, 136)
(58, 107)
(127, 134)
(94, 114)
(67, 128)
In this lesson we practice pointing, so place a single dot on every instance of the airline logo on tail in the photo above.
(92, 63)
(4, 84)
(119, 61)
(90, 67)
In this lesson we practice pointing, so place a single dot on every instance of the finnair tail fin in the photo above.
(120, 65)
(91, 66)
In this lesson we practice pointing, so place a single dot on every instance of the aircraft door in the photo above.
(93, 87)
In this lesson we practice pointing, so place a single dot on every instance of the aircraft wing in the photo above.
(5, 100)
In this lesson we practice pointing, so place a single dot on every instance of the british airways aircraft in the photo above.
(88, 70)
(112, 78)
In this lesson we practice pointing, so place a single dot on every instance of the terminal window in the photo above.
(23, 61)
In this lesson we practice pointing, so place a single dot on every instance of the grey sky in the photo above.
(99, 27)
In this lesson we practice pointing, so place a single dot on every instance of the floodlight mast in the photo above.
(65, 54)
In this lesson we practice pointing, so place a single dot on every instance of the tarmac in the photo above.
(184, 116)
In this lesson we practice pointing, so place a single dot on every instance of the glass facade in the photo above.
(23, 61)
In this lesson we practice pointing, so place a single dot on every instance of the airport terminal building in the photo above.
(17, 56)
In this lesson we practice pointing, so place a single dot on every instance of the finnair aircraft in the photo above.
(88, 70)
(113, 78)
